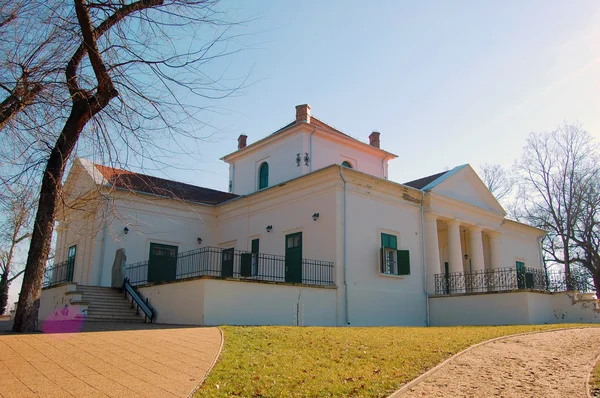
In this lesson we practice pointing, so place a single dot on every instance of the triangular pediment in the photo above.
(82, 178)
(462, 183)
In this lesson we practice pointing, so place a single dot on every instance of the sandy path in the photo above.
(551, 364)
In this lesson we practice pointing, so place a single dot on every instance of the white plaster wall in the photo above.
(52, 299)
(373, 298)
(281, 157)
(520, 244)
(540, 308)
(154, 220)
(84, 231)
(566, 311)
(488, 309)
(326, 152)
(288, 211)
(246, 303)
(56, 306)
(180, 303)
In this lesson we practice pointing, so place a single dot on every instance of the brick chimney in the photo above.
(242, 141)
(303, 113)
(374, 139)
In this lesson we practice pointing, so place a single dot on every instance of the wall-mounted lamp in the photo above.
(466, 256)
(199, 241)
(269, 228)
(315, 216)
(126, 230)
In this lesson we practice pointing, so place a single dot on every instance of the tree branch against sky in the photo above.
(16, 207)
(557, 175)
(497, 179)
(125, 87)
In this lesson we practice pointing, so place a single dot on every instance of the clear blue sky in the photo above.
(445, 83)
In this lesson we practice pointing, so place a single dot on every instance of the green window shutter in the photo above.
(403, 262)
(255, 246)
(393, 242)
(263, 176)
(389, 241)
(246, 264)
(382, 257)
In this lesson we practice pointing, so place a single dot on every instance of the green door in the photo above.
(162, 263)
(227, 263)
(71, 263)
(447, 277)
(521, 275)
(293, 258)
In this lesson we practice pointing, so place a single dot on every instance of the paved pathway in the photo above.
(144, 361)
(551, 364)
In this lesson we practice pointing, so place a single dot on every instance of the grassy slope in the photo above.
(316, 361)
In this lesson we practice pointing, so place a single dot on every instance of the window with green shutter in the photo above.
(403, 262)
(263, 175)
(393, 261)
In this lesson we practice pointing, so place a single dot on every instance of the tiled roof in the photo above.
(424, 181)
(159, 186)
(316, 122)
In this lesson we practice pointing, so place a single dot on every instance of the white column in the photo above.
(432, 251)
(495, 250)
(477, 261)
(455, 257)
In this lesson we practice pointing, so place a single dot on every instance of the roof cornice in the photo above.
(299, 126)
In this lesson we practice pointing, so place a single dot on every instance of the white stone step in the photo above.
(113, 319)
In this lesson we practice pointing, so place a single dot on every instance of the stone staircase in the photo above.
(107, 304)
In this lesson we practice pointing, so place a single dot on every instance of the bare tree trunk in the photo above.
(27, 309)
(596, 276)
(4, 284)
(85, 106)
(567, 265)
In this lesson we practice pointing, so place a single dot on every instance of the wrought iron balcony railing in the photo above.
(505, 279)
(217, 262)
(59, 273)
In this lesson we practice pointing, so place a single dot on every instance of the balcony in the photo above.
(234, 264)
(510, 279)
(59, 273)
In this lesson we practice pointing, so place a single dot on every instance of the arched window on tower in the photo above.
(346, 164)
(263, 175)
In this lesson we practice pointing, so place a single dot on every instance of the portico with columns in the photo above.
(464, 231)
(457, 246)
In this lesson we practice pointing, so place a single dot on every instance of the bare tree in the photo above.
(586, 234)
(554, 171)
(16, 211)
(123, 87)
(497, 179)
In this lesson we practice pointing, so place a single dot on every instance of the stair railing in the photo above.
(135, 298)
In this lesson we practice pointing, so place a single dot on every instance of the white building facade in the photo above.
(311, 233)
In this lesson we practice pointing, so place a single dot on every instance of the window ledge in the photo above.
(392, 276)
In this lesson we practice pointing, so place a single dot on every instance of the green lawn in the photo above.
(323, 362)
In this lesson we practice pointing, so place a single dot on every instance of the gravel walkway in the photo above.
(551, 364)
